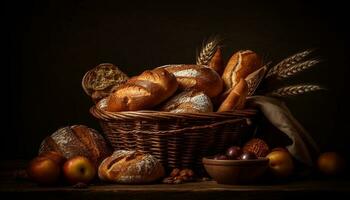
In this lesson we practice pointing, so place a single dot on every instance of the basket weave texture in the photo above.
(178, 140)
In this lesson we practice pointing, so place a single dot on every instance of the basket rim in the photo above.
(153, 114)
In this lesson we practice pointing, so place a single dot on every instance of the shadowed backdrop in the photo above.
(51, 44)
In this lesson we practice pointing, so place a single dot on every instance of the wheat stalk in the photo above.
(294, 90)
(288, 62)
(294, 69)
(208, 50)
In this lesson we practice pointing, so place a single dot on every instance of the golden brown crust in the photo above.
(130, 167)
(236, 97)
(216, 62)
(189, 101)
(198, 77)
(143, 92)
(240, 65)
(77, 140)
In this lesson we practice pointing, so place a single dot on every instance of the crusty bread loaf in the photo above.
(77, 140)
(100, 80)
(130, 167)
(236, 98)
(240, 65)
(143, 92)
(197, 77)
(217, 62)
(189, 101)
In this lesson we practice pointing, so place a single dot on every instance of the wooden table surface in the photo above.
(14, 188)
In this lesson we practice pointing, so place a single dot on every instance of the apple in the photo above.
(281, 163)
(79, 169)
(55, 156)
(44, 170)
(279, 149)
(330, 163)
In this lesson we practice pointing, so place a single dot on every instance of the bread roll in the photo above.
(240, 65)
(143, 92)
(130, 167)
(189, 101)
(77, 140)
(100, 81)
(236, 97)
(197, 77)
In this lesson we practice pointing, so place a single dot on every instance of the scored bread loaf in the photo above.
(143, 92)
(130, 167)
(236, 98)
(99, 81)
(77, 140)
(240, 65)
(189, 101)
(197, 77)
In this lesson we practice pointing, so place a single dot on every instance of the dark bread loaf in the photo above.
(198, 77)
(130, 167)
(143, 92)
(77, 140)
(100, 81)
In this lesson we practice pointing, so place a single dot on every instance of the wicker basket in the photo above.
(176, 139)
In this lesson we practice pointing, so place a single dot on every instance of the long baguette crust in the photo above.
(143, 92)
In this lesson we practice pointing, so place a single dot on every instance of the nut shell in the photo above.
(257, 146)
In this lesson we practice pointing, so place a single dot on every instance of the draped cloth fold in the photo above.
(279, 115)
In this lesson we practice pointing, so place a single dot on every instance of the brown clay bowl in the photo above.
(235, 171)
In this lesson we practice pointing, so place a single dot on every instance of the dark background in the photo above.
(51, 44)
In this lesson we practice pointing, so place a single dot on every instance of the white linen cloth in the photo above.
(279, 115)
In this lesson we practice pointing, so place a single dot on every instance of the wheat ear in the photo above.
(208, 50)
(295, 69)
(288, 62)
(294, 90)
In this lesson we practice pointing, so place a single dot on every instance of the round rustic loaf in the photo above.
(130, 167)
(199, 77)
(77, 140)
(189, 101)
(100, 81)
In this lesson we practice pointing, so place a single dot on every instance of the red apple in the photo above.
(43, 170)
(331, 163)
(280, 163)
(79, 169)
(55, 156)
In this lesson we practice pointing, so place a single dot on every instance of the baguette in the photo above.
(143, 92)
(198, 77)
(236, 98)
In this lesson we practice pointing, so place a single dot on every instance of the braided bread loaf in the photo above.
(143, 92)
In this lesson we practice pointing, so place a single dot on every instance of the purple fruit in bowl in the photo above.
(234, 152)
(247, 156)
(220, 157)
